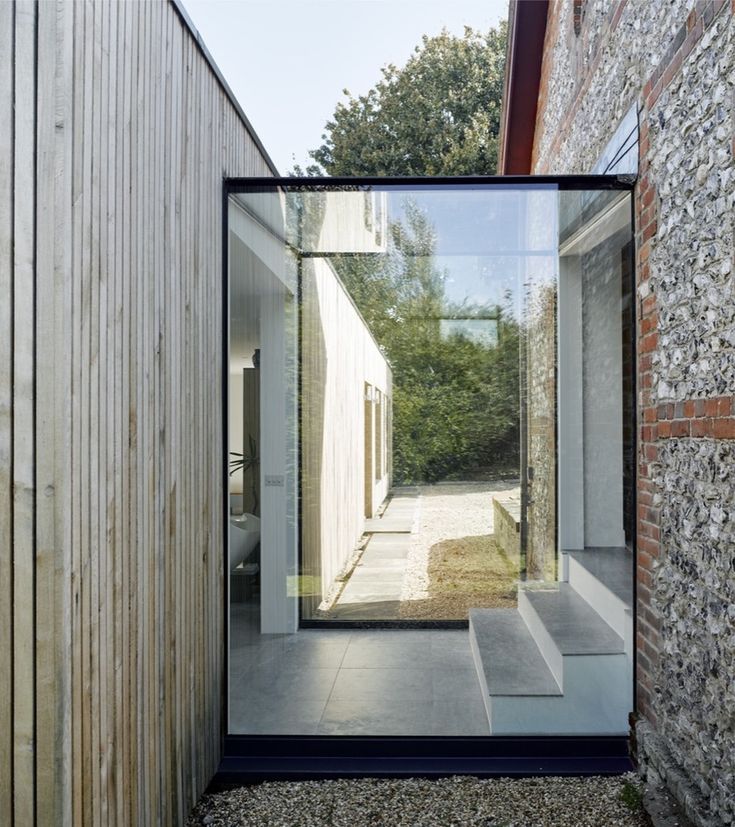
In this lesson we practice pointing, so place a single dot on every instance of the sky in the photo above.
(288, 61)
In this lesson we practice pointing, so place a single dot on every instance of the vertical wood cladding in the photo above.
(111, 168)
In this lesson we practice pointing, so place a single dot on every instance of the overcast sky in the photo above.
(287, 61)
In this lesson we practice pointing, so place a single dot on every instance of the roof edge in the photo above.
(524, 59)
(194, 32)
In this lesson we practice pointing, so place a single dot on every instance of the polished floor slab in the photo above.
(352, 682)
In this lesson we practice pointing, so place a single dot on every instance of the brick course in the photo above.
(676, 62)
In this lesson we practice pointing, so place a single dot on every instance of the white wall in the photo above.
(338, 357)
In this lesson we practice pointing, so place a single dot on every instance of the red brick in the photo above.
(644, 362)
(643, 577)
(650, 452)
(699, 407)
(689, 409)
(663, 411)
(649, 530)
(645, 561)
(648, 324)
(648, 196)
(650, 230)
(648, 548)
(645, 381)
(664, 430)
(644, 250)
(680, 427)
(724, 428)
(701, 427)
(710, 407)
(648, 305)
(724, 406)
(648, 343)
(649, 415)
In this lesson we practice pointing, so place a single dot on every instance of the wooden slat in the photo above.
(7, 25)
(110, 412)
(23, 416)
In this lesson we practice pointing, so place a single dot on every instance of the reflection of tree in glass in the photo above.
(455, 397)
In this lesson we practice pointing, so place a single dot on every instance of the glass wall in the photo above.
(431, 459)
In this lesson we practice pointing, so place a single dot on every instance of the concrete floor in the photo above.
(344, 682)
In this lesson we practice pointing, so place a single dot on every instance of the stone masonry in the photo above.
(676, 62)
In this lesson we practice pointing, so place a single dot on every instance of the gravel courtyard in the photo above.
(454, 563)
(448, 802)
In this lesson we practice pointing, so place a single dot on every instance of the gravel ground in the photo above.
(448, 511)
(415, 802)
(465, 573)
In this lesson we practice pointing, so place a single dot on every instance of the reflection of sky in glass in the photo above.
(490, 241)
(481, 331)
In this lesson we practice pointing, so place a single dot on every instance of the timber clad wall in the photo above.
(676, 62)
(112, 155)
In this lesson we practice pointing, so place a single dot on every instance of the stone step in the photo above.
(588, 690)
(562, 623)
(510, 662)
(604, 578)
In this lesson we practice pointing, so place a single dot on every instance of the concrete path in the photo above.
(375, 586)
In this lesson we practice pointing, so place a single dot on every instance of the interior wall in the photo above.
(602, 364)
(112, 157)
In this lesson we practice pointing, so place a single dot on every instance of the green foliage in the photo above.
(455, 400)
(632, 796)
(437, 115)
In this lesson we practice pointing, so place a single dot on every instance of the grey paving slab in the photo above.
(378, 573)
(389, 525)
(573, 624)
(460, 683)
(375, 716)
(376, 609)
(382, 560)
(462, 717)
(311, 652)
(511, 661)
(362, 596)
(389, 541)
(392, 686)
(614, 567)
(273, 716)
(286, 682)
(391, 651)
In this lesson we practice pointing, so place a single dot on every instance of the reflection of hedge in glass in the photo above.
(455, 394)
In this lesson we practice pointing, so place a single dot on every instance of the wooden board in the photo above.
(111, 487)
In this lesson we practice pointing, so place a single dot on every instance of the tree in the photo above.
(455, 400)
(438, 115)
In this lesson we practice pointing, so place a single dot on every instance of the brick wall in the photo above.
(676, 62)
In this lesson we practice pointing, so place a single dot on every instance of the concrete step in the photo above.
(562, 623)
(510, 661)
(552, 667)
(603, 577)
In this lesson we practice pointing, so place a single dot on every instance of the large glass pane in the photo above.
(431, 429)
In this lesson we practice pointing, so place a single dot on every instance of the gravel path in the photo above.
(415, 802)
(447, 511)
